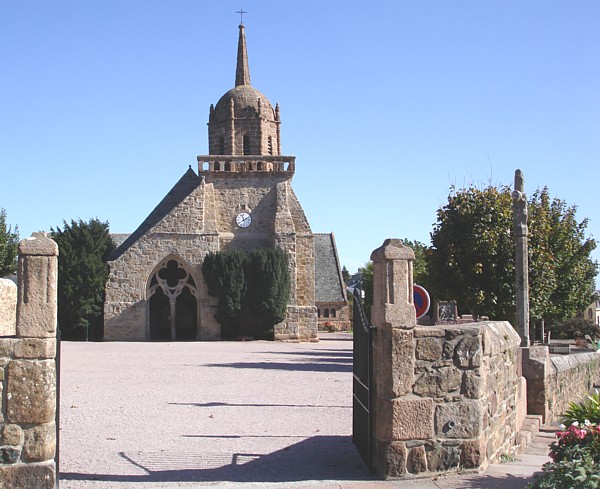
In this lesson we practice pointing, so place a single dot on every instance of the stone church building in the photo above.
(240, 198)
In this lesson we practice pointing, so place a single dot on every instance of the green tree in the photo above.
(224, 273)
(420, 273)
(83, 249)
(9, 241)
(269, 288)
(562, 278)
(472, 255)
(253, 290)
(345, 274)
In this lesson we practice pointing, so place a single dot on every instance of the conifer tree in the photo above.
(83, 249)
(9, 241)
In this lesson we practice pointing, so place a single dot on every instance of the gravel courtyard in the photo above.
(206, 414)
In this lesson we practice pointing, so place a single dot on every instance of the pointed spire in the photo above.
(242, 72)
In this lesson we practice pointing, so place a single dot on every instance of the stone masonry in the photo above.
(554, 381)
(445, 397)
(244, 176)
(8, 307)
(28, 373)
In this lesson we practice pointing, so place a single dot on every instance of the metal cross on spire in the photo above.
(241, 12)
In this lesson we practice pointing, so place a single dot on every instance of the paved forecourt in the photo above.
(224, 415)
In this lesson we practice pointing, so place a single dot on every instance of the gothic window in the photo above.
(172, 303)
(228, 166)
(333, 313)
(217, 166)
(326, 313)
(247, 144)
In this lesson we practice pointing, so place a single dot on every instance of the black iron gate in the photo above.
(361, 386)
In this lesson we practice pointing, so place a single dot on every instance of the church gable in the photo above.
(182, 189)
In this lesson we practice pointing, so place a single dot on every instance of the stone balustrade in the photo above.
(28, 372)
(247, 163)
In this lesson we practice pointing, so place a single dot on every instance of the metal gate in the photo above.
(361, 385)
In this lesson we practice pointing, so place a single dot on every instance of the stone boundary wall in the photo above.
(28, 373)
(554, 381)
(8, 307)
(445, 397)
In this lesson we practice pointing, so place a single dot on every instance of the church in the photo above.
(239, 198)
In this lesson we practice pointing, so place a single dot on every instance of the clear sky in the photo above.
(104, 105)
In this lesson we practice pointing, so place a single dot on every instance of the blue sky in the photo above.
(104, 104)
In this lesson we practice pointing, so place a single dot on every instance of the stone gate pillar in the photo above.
(393, 315)
(28, 372)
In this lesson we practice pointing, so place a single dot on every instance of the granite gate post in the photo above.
(28, 372)
(393, 314)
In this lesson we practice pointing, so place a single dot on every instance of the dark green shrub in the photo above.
(576, 328)
(253, 290)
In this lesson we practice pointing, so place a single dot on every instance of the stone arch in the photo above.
(172, 301)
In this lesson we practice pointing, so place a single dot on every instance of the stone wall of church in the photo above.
(204, 222)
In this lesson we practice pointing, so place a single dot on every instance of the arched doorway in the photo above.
(172, 302)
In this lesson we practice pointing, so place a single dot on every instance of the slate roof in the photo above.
(329, 286)
(184, 187)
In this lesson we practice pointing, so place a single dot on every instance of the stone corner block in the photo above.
(462, 419)
(40, 443)
(31, 391)
(412, 419)
(30, 348)
(38, 476)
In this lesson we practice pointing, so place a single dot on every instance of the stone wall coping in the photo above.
(562, 363)
(498, 336)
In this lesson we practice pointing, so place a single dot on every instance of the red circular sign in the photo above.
(421, 300)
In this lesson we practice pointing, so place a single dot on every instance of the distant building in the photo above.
(592, 312)
(330, 291)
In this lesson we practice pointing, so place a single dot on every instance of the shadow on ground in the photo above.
(316, 458)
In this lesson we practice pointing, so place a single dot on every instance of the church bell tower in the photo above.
(254, 203)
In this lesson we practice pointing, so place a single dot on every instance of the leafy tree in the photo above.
(83, 249)
(472, 255)
(563, 275)
(366, 285)
(9, 242)
(420, 273)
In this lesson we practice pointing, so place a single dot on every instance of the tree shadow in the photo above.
(315, 458)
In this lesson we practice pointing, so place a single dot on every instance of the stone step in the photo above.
(531, 426)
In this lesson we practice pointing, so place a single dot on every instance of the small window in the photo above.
(333, 313)
(318, 312)
(217, 166)
(270, 143)
(247, 144)
(326, 314)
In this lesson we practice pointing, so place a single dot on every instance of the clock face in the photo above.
(243, 220)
